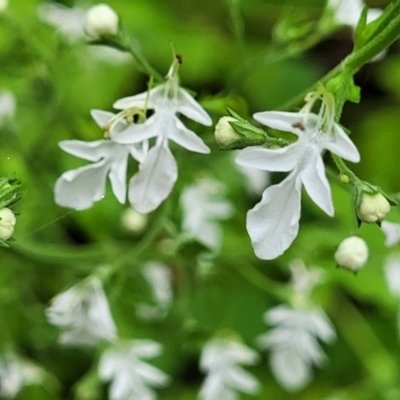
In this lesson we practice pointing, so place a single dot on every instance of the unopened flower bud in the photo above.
(373, 208)
(7, 223)
(133, 221)
(225, 135)
(344, 178)
(352, 253)
(101, 20)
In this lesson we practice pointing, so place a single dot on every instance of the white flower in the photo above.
(158, 173)
(352, 253)
(293, 343)
(273, 223)
(159, 277)
(131, 378)
(303, 279)
(348, 12)
(373, 208)
(392, 233)
(81, 187)
(7, 223)
(256, 180)
(83, 313)
(7, 105)
(203, 206)
(392, 273)
(101, 20)
(15, 373)
(220, 361)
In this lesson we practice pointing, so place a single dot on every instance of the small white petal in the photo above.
(392, 233)
(273, 223)
(151, 375)
(290, 370)
(80, 188)
(392, 273)
(139, 100)
(239, 379)
(101, 117)
(187, 138)
(146, 348)
(136, 133)
(286, 121)
(316, 183)
(189, 107)
(341, 145)
(92, 151)
(284, 159)
(117, 177)
(154, 181)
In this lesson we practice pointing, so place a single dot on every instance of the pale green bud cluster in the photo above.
(352, 253)
(101, 20)
(373, 208)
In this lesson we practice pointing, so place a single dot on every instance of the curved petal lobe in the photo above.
(186, 138)
(273, 223)
(80, 188)
(189, 107)
(91, 151)
(317, 185)
(154, 181)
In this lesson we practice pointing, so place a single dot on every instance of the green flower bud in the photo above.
(352, 253)
(225, 135)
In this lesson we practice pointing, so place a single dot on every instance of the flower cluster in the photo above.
(220, 360)
(273, 223)
(158, 171)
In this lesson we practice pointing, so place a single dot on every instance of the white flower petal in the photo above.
(189, 107)
(316, 183)
(91, 151)
(154, 181)
(186, 138)
(80, 188)
(289, 369)
(139, 100)
(151, 375)
(284, 159)
(392, 233)
(392, 273)
(341, 145)
(117, 177)
(136, 133)
(273, 223)
(286, 121)
(239, 379)
(146, 348)
(101, 117)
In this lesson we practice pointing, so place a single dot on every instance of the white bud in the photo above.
(225, 135)
(101, 20)
(7, 223)
(373, 208)
(133, 221)
(352, 253)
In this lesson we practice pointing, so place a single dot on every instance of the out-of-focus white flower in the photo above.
(101, 20)
(303, 279)
(3, 5)
(256, 180)
(7, 106)
(273, 223)
(158, 276)
(81, 187)
(221, 361)
(132, 378)
(373, 208)
(352, 253)
(293, 343)
(7, 223)
(133, 221)
(159, 172)
(69, 21)
(392, 233)
(348, 12)
(203, 205)
(15, 373)
(392, 273)
(83, 313)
